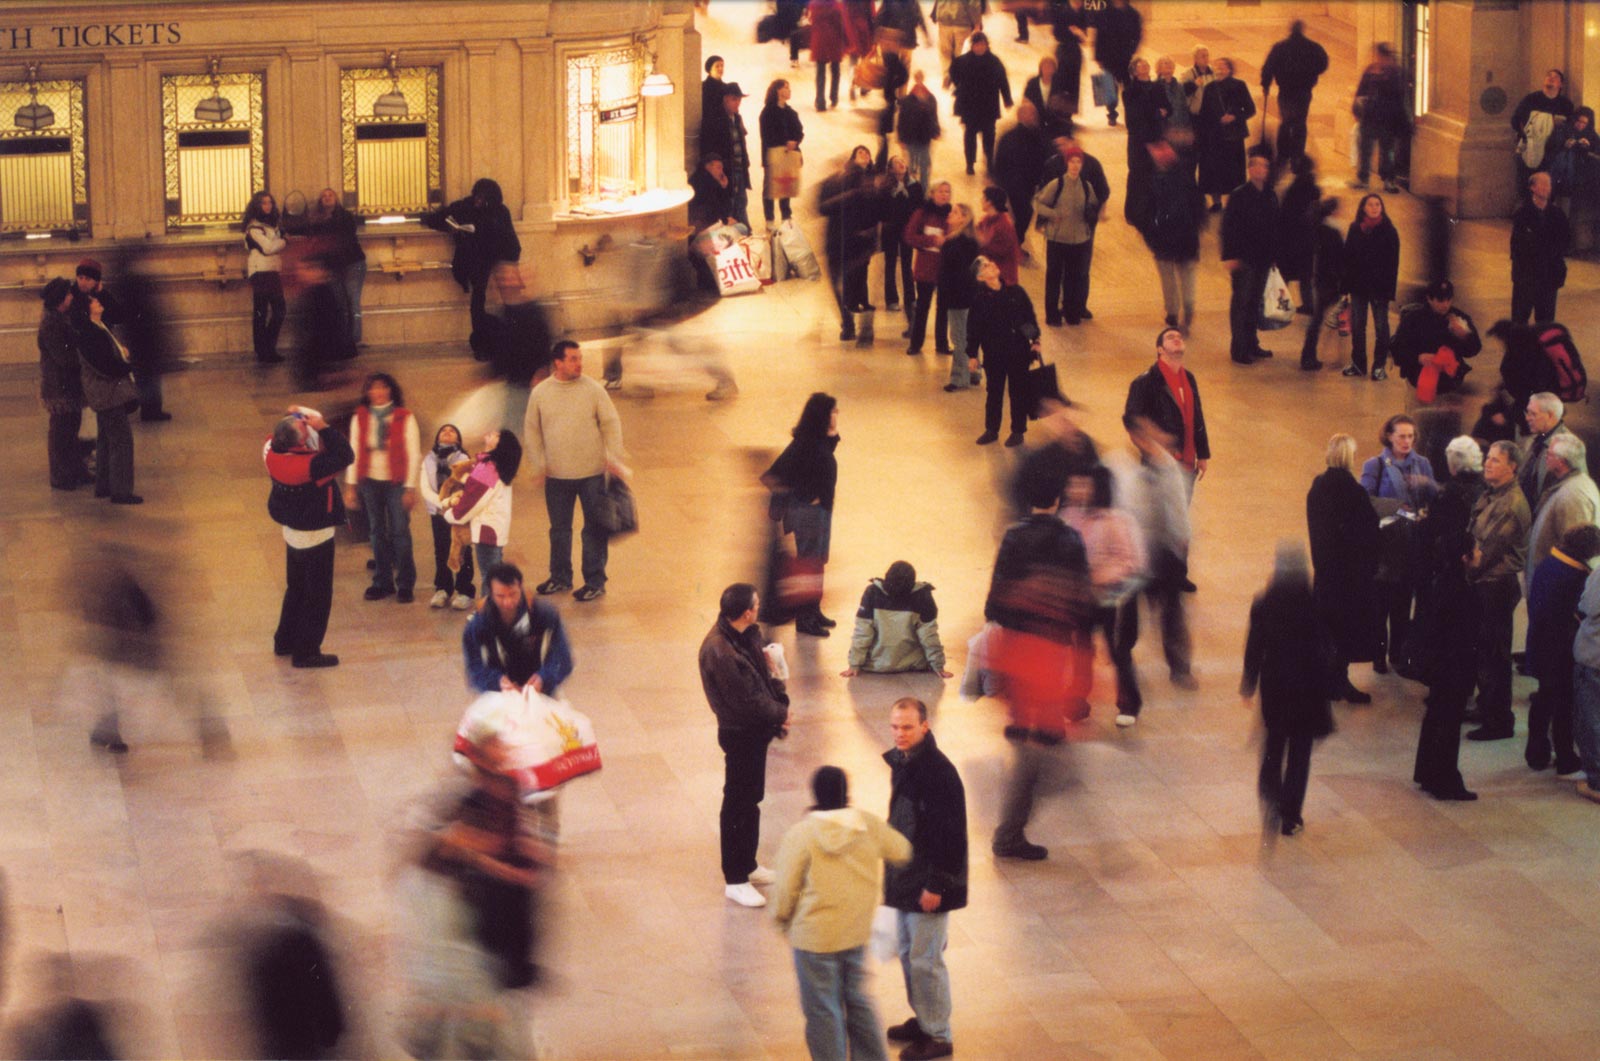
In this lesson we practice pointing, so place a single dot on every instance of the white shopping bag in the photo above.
(734, 273)
(537, 741)
(1277, 308)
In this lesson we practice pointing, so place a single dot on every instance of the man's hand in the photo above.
(1200, 469)
(507, 685)
(1426, 359)
(929, 901)
(351, 498)
(537, 683)
(312, 418)
(1231, 264)
(1458, 327)
(408, 498)
(849, 672)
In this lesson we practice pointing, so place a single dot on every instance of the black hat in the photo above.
(1441, 291)
(55, 291)
(830, 787)
(732, 89)
(713, 61)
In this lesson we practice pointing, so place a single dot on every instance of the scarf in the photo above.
(443, 454)
(1370, 223)
(1178, 383)
(382, 413)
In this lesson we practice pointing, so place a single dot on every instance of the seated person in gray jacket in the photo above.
(897, 627)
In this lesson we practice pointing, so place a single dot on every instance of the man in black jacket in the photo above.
(304, 457)
(1249, 228)
(927, 804)
(1294, 63)
(61, 387)
(980, 83)
(1118, 30)
(1539, 238)
(1425, 330)
(748, 697)
(1168, 396)
(725, 136)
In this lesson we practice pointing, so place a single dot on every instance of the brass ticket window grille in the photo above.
(390, 139)
(213, 150)
(43, 171)
(605, 135)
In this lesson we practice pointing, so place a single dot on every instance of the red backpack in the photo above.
(1566, 367)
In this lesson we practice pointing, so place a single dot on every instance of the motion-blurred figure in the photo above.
(322, 330)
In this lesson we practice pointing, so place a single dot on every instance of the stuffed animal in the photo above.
(449, 490)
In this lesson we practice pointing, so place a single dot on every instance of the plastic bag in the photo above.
(538, 742)
(1277, 308)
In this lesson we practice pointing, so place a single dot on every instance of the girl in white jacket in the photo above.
(485, 503)
(264, 242)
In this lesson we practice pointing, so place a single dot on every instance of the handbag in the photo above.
(618, 512)
(1042, 382)
(1104, 87)
(103, 393)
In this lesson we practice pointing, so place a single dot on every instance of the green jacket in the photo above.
(895, 635)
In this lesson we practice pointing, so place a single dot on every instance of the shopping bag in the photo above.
(734, 274)
(1104, 87)
(802, 260)
(1277, 308)
(870, 73)
(780, 260)
(885, 934)
(538, 742)
(759, 251)
(782, 179)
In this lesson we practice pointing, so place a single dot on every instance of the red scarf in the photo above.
(1370, 223)
(1178, 385)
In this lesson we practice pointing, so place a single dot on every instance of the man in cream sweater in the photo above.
(573, 438)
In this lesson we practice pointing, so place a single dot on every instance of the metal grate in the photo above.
(211, 168)
(604, 148)
(43, 172)
(390, 161)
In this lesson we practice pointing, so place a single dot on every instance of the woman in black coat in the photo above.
(1282, 648)
(487, 248)
(1297, 228)
(1225, 113)
(802, 480)
(1343, 527)
(780, 129)
(1002, 325)
(1452, 653)
(901, 198)
(1371, 267)
(105, 360)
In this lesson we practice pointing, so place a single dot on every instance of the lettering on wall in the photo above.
(92, 35)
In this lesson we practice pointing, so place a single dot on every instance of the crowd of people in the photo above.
(1418, 556)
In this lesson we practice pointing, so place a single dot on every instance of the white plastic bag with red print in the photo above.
(735, 276)
(759, 251)
(537, 741)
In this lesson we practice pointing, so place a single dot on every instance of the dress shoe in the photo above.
(825, 621)
(1246, 360)
(157, 417)
(1458, 795)
(1014, 440)
(126, 499)
(321, 659)
(949, 388)
(404, 596)
(745, 895)
(1187, 586)
(102, 492)
(1022, 850)
(927, 1049)
(1537, 756)
(810, 627)
(1262, 353)
(1073, 321)
(988, 437)
(1084, 314)
(111, 742)
(909, 1032)
(1492, 732)
(1053, 322)
(377, 593)
(1311, 366)
(847, 335)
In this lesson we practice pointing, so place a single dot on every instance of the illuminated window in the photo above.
(390, 139)
(213, 150)
(43, 186)
(1422, 42)
(605, 145)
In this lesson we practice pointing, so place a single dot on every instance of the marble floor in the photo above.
(1164, 924)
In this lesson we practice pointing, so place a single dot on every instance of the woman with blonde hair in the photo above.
(1343, 528)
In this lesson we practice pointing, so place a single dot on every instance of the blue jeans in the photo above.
(390, 526)
(486, 556)
(840, 1020)
(922, 939)
(352, 281)
(919, 162)
(559, 495)
(1386, 143)
(960, 372)
(1586, 719)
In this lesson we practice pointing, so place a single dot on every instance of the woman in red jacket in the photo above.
(926, 231)
(829, 34)
(997, 235)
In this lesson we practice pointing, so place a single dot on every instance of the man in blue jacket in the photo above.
(514, 640)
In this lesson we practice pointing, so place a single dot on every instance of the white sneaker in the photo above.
(440, 599)
(1126, 720)
(762, 875)
(461, 602)
(745, 894)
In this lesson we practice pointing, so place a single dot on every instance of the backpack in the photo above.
(1535, 133)
(1571, 381)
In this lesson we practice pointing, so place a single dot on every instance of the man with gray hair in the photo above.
(304, 457)
(1499, 526)
(1569, 499)
(1545, 421)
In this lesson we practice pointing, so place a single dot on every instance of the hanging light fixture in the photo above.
(34, 115)
(656, 83)
(214, 108)
(392, 104)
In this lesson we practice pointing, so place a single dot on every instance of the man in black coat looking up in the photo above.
(980, 83)
(1294, 63)
(1249, 238)
(1539, 238)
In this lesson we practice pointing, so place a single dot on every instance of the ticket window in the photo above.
(43, 176)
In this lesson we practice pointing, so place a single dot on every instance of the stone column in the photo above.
(306, 143)
(485, 118)
(543, 130)
(1461, 149)
(133, 191)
